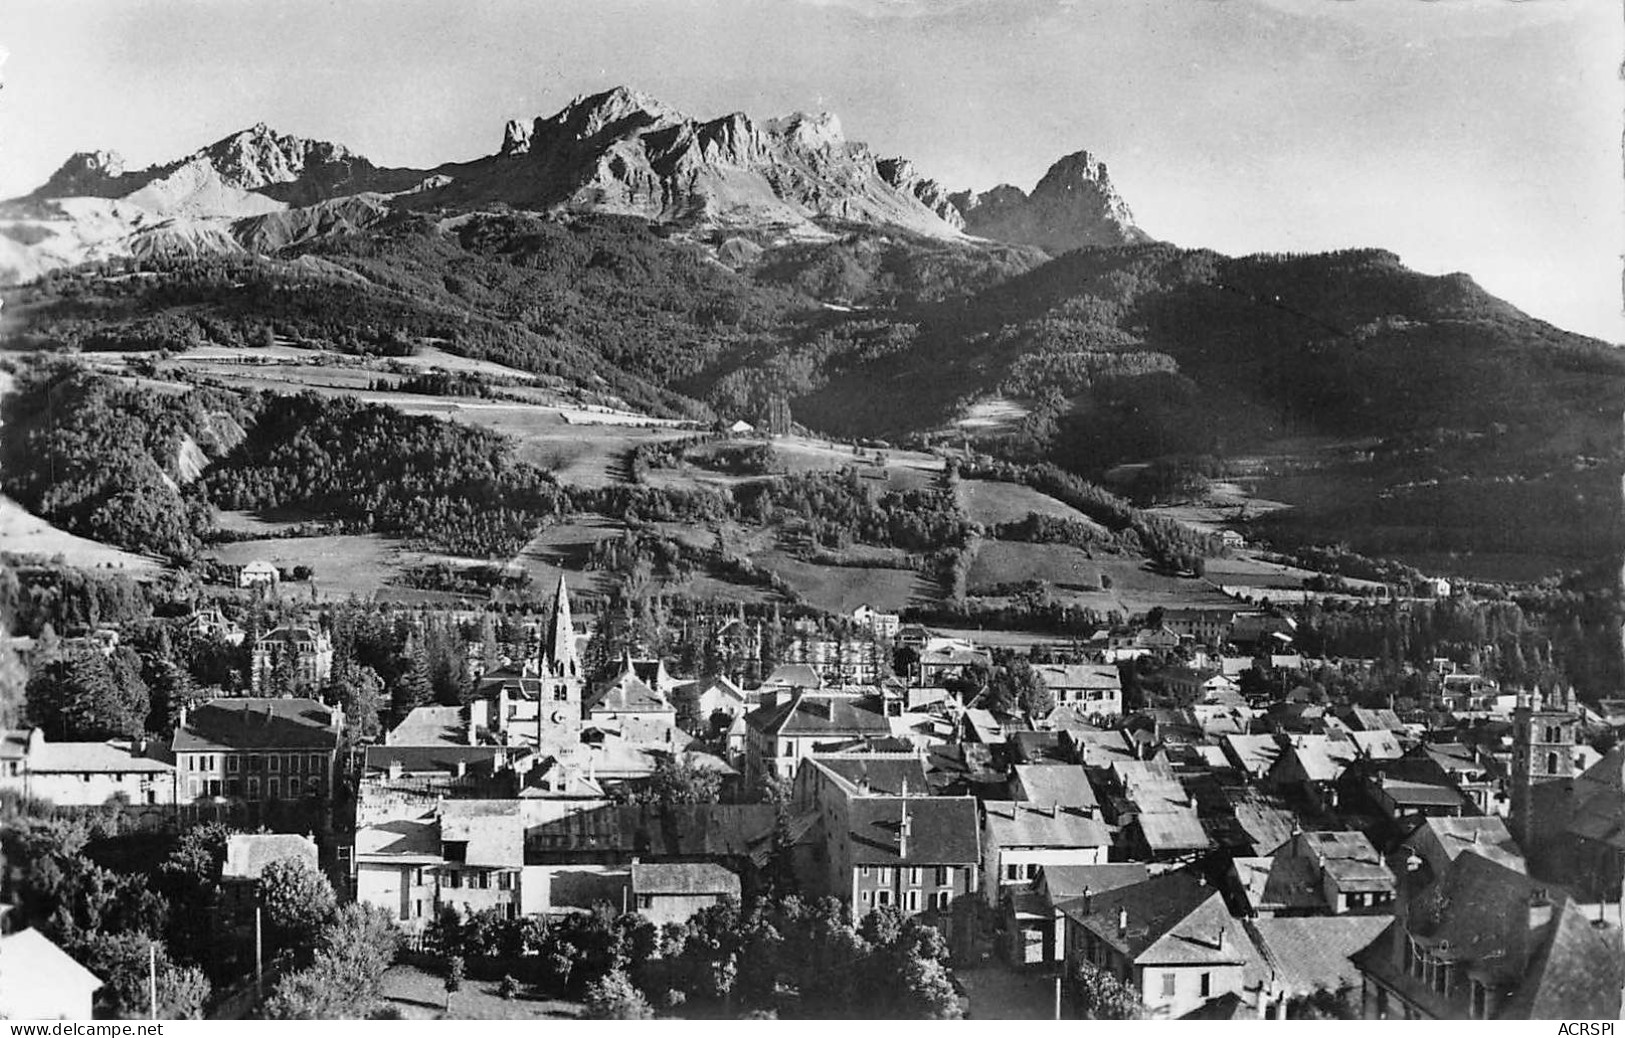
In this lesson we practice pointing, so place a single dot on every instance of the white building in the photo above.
(258, 573)
(43, 982)
(83, 774)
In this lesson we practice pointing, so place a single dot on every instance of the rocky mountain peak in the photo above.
(90, 173)
(515, 138)
(259, 157)
(809, 132)
(1074, 205)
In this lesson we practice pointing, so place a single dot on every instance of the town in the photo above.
(717, 812)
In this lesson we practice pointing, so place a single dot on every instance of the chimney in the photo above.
(395, 770)
(1088, 900)
(1122, 921)
(182, 721)
(903, 831)
(462, 769)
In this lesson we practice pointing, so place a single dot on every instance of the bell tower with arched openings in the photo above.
(1543, 738)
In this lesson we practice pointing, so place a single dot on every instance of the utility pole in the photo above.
(152, 980)
(259, 975)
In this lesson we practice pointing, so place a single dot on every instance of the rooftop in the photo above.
(1315, 951)
(942, 831)
(247, 854)
(256, 723)
(1014, 824)
(809, 715)
(34, 962)
(1064, 784)
(683, 878)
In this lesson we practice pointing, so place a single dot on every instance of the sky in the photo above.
(1465, 135)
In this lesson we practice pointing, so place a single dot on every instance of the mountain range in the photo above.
(711, 268)
(622, 152)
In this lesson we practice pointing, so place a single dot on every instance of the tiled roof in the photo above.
(253, 723)
(1173, 832)
(1014, 824)
(1576, 972)
(430, 726)
(494, 831)
(1065, 883)
(1485, 836)
(248, 854)
(1377, 745)
(795, 675)
(630, 694)
(92, 757)
(418, 760)
(1064, 784)
(942, 831)
(702, 877)
(1095, 676)
(1421, 794)
(1100, 749)
(13, 743)
(1253, 754)
(1278, 884)
(401, 839)
(1172, 919)
(1315, 951)
(1037, 747)
(886, 776)
(650, 831)
(809, 715)
(33, 962)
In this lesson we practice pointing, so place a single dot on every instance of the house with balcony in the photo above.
(1485, 942)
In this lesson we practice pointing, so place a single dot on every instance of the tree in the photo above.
(297, 901)
(677, 781)
(1102, 996)
(122, 962)
(360, 692)
(344, 980)
(84, 697)
(613, 997)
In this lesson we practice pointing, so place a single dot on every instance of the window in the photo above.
(945, 876)
(560, 694)
(1551, 764)
(882, 898)
(315, 763)
(254, 787)
(1207, 985)
(1478, 1001)
(417, 876)
(1168, 981)
(273, 789)
(646, 900)
(273, 762)
(943, 900)
(253, 762)
(789, 749)
(911, 900)
(233, 788)
(417, 909)
(914, 877)
(1012, 872)
(456, 879)
(231, 764)
(293, 786)
(864, 897)
(863, 870)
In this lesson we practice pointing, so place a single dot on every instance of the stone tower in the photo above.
(562, 681)
(1543, 738)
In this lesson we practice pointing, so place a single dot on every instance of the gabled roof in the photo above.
(683, 878)
(1063, 784)
(1377, 745)
(1310, 952)
(1173, 832)
(1421, 794)
(254, 723)
(1253, 754)
(1172, 919)
(430, 726)
(885, 775)
(1486, 836)
(1096, 748)
(810, 715)
(1278, 883)
(1087, 676)
(1064, 883)
(795, 675)
(942, 831)
(630, 694)
(33, 962)
(247, 854)
(1014, 824)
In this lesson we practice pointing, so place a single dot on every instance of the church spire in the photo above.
(559, 650)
